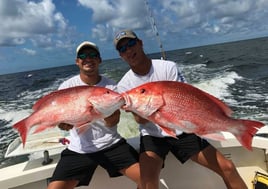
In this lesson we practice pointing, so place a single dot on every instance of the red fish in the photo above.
(175, 105)
(77, 106)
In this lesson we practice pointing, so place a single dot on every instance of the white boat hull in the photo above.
(32, 174)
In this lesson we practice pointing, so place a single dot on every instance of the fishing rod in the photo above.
(154, 28)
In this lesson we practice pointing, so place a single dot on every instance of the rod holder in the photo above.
(46, 160)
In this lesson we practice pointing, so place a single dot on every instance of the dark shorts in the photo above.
(183, 148)
(81, 167)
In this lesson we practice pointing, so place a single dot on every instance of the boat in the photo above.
(44, 152)
(36, 172)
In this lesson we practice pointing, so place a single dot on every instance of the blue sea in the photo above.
(235, 72)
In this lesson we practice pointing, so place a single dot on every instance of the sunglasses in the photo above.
(92, 55)
(130, 43)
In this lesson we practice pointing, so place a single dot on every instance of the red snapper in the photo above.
(175, 105)
(77, 106)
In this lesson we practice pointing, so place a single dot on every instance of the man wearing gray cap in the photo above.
(156, 143)
(101, 144)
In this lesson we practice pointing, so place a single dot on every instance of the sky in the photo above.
(37, 34)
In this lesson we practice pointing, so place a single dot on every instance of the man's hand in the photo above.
(65, 126)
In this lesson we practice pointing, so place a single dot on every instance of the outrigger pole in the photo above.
(154, 28)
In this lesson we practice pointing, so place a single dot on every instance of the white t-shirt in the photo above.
(161, 70)
(98, 136)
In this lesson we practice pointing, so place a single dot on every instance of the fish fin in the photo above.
(39, 102)
(251, 127)
(226, 109)
(82, 128)
(214, 136)
(156, 102)
(187, 126)
(22, 129)
(169, 131)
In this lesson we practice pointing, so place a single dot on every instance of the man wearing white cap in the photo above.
(101, 144)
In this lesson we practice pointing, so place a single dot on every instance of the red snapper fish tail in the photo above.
(22, 129)
(251, 127)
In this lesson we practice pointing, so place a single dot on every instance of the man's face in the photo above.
(130, 50)
(88, 60)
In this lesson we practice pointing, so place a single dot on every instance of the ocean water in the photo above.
(235, 72)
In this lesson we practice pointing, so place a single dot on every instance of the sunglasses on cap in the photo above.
(130, 43)
(91, 55)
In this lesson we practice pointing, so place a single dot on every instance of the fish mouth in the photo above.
(127, 103)
(122, 101)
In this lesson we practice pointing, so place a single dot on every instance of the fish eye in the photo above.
(143, 90)
(108, 92)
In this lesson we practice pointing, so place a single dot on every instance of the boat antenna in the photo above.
(154, 28)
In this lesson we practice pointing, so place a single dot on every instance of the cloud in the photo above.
(112, 15)
(22, 20)
(40, 23)
(189, 22)
(219, 16)
(29, 51)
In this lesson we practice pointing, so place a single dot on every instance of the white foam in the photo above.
(218, 86)
(14, 116)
